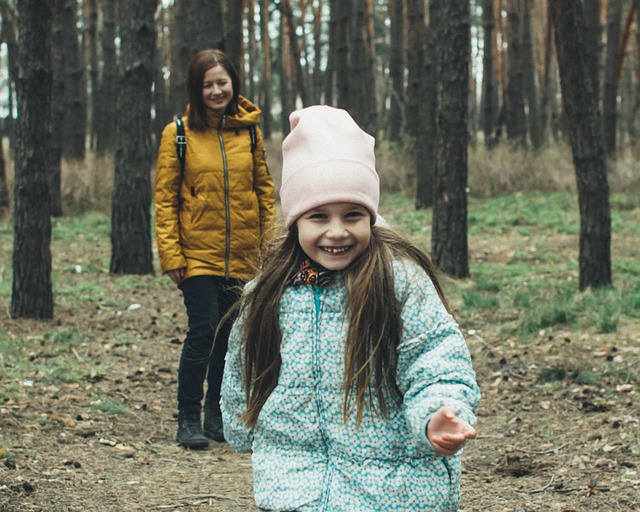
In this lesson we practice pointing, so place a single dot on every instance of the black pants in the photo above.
(207, 299)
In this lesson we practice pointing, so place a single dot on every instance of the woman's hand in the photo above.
(177, 274)
(447, 433)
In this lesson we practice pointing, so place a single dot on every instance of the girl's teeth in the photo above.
(335, 250)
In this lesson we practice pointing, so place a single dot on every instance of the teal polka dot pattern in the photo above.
(306, 457)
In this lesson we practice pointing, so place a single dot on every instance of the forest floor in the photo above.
(87, 421)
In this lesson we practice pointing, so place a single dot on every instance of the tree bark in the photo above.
(610, 89)
(593, 42)
(396, 70)
(514, 95)
(415, 63)
(130, 212)
(32, 294)
(75, 102)
(57, 108)
(449, 232)
(488, 114)
(583, 121)
(106, 118)
(531, 79)
(343, 50)
(265, 83)
(363, 79)
(233, 32)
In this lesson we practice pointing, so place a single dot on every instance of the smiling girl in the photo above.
(346, 376)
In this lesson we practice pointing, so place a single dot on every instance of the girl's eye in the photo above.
(356, 214)
(317, 216)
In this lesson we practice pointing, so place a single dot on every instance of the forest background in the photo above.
(507, 137)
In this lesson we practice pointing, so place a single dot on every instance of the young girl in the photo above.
(346, 375)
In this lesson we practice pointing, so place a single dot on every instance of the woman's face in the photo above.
(335, 234)
(217, 88)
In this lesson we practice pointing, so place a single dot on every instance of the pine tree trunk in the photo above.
(415, 63)
(449, 233)
(57, 108)
(610, 89)
(488, 109)
(130, 211)
(343, 40)
(107, 119)
(92, 33)
(514, 95)
(425, 156)
(180, 57)
(75, 103)
(265, 83)
(32, 294)
(583, 121)
(396, 70)
(592, 42)
(531, 79)
(363, 80)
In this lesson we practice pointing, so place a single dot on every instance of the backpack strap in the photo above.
(181, 143)
(254, 137)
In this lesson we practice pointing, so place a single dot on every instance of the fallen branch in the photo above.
(544, 488)
(545, 452)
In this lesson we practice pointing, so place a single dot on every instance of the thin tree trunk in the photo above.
(32, 294)
(75, 104)
(363, 80)
(296, 62)
(449, 234)
(107, 119)
(514, 98)
(396, 70)
(610, 91)
(265, 83)
(343, 53)
(130, 212)
(233, 31)
(57, 108)
(92, 32)
(531, 79)
(415, 63)
(583, 120)
(488, 75)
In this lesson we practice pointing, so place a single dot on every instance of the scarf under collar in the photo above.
(312, 274)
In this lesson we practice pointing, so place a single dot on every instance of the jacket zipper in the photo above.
(227, 249)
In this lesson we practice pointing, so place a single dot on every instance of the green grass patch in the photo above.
(108, 405)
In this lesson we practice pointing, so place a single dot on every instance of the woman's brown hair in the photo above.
(200, 64)
(374, 322)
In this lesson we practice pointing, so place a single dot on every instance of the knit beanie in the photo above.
(327, 158)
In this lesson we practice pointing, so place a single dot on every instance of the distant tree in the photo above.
(181, 54)
(293, 45)
(265, 82)
(57, 107)
(530, 79)
(488, 114)
(343, 12)
(396, 70)
(449, 233)
(287, 89)
(361, 58)
(9, 38)
(583, 123)
(91, 7)
(425, 132)
(75, 97)
(4, 189)
(514, 94)
(32, 294)
(610, 88)
(107, 87)
(416, 33)
(130, 211)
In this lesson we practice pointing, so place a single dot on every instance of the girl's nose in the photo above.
(336, 229)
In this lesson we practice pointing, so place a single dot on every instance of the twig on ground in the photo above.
(545, 452)
(543, 488)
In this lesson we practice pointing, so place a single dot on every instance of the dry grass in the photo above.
(87, 185)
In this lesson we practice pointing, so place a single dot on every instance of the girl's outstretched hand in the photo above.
(447, 433)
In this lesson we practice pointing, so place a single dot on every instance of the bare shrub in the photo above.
(87, 185)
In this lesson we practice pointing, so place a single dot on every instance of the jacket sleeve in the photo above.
(434, 365)
(233, 398)
(263, 186)
(167, 202)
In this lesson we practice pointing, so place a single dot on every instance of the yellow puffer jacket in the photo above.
(213, 220)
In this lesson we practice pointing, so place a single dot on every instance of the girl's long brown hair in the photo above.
(374, 327)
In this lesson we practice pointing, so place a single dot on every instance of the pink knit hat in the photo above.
(327, 158)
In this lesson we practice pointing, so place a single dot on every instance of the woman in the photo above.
(212, 217)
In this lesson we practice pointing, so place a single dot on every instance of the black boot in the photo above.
(190, 433)
(213, 421)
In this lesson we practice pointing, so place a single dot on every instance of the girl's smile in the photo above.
(334, 235)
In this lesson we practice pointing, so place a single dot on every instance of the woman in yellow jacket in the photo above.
(211, 220)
